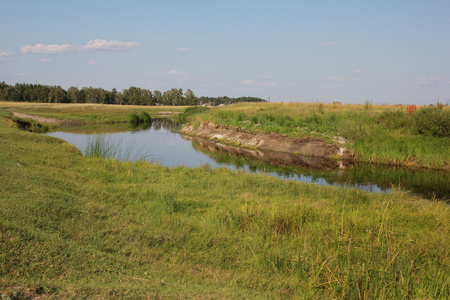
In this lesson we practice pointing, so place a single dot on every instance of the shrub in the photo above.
(433, 121)
(133, 119)
(144, 117)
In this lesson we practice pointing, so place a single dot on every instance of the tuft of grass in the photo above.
(104, 146)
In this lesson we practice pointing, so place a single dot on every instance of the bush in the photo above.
(133, 119)
(433, 121)
(144, 117)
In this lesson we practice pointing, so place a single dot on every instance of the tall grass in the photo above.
(106, 146)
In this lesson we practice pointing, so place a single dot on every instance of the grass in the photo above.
(376, 134)
(76, 227)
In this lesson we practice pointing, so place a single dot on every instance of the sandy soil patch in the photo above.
(43, 119)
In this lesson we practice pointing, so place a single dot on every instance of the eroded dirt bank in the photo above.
(306, 146)
(270, 157)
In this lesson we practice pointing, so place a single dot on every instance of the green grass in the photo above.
(376, 134)
(82, 227)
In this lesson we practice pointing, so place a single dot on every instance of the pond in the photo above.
(160, 143)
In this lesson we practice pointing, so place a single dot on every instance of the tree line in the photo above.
(22, 92)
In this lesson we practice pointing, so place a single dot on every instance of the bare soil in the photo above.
(305, 146)
(270, 157)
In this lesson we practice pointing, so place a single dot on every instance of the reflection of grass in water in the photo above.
(102, 146)
(424, 182)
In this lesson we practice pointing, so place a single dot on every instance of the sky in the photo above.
(349, 51)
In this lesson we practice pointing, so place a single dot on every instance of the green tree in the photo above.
(190, 98)
(57, 95)
(72, 94)
(157, 97)
(173, 97)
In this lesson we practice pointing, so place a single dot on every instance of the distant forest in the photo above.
(22, 92)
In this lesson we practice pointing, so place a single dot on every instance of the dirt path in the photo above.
(43, 119)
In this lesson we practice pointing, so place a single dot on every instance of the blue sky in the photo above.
(384, 51)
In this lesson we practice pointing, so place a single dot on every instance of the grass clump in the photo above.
(104, 146)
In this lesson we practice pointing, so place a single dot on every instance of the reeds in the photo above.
(105, 146)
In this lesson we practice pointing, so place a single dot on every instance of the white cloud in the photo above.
(329, 43)
(4, 53)
(45, 60)
(431, 80)
(92, 45)
(358, 71)
(331, 86)
(183, 50)
(248, 82)
(266, 77)
(269, 84)
(93, 62)
(175, 72)
(337, 78)
(251, 82)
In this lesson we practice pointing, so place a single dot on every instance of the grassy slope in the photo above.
(381, 134)
(102, 229)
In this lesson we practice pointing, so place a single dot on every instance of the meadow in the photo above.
(74, 227)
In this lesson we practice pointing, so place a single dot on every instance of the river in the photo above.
(161, 144)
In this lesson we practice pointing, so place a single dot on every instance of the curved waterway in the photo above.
(160, 143)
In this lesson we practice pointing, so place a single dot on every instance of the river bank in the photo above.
(380, 134)
(305, 146)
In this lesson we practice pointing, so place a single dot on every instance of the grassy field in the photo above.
(89, 113)
(73, 228)
(376, 133)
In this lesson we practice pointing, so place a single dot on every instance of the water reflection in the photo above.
(160, 143)
(426, 183)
